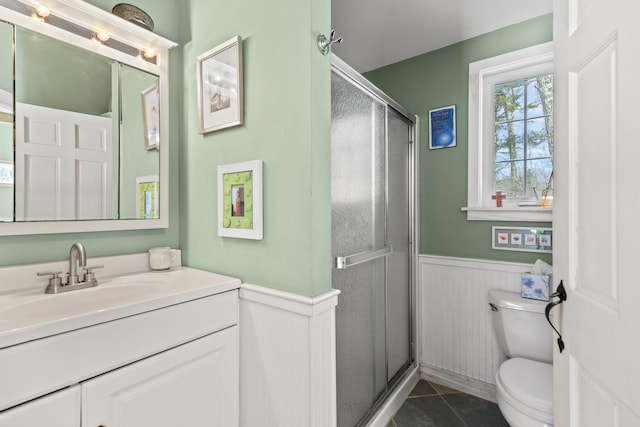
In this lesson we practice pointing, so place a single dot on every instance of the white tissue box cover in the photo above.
(536, 286)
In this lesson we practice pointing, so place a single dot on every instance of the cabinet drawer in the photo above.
(38, 367)
(195, 385)
(60, 409)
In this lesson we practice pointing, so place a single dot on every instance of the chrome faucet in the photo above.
(77, 258)
(77, 251)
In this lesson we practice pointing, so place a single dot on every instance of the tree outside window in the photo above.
(523, 136)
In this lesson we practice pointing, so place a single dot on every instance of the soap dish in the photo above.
(133, 14)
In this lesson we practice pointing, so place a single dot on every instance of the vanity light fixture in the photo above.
(42, 11)
(101, 36)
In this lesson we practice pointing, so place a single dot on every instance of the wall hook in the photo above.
(324, 43)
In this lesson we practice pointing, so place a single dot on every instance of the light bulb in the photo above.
(42, 11)
(148, 52)
(101, 36)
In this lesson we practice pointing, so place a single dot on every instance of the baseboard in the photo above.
(465, 384)
(395, 400)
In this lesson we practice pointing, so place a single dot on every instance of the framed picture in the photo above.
(240, 200)
(442, 127)
(522, 239)
(151, 117)
(147, 193)
(220, 86)
(6, 173)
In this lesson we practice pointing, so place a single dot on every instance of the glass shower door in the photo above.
(369, 320)
(358, 227)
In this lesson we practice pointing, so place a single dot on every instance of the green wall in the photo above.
(170, 20)
(135, 159)
(437, 79)
(287, 126)
(287, 122)
(57, 75)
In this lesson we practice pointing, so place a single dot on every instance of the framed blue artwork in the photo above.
(442, 127)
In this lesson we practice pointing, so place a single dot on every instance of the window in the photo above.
(511, 134)
(523, 129)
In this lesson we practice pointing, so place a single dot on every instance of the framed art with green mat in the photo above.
(240, 200)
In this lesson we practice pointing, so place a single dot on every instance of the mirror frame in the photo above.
(96, 19)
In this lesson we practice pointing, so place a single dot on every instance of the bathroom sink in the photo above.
(33, 314)
(46, 308)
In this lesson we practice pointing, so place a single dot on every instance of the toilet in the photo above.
(524, 382)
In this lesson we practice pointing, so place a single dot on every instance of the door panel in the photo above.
(360, 339)
(66, 157)
(370, 244)
(358, 170)
(358, 225)
(398, 289)
(595, 212)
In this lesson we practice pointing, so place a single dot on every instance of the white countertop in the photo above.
(27, 314)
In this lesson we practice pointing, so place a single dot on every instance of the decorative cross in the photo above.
(498, 198)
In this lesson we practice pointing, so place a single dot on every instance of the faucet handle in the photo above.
(55, 282)
(89, 275)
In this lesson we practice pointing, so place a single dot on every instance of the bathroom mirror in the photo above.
(90, 151)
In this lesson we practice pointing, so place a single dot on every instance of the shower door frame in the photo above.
(373, 416)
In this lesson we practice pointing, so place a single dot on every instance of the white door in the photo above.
(195, 385)
(63, 165)
(596, 211)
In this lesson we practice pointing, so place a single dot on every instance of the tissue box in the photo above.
(536, 286)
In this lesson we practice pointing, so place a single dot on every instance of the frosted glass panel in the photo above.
(361, 371)
(398, 284)
(357, 169)
(373, 312)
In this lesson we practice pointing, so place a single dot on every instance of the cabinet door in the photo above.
(60, 409)
(195, 384)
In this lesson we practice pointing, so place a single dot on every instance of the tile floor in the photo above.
(434, 405)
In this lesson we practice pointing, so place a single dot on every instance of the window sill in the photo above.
(533, 214)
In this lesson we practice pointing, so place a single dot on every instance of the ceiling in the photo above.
(382, 32)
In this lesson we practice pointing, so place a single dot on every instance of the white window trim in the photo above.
(482, 76)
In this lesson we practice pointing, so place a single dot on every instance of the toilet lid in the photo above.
(528, 381)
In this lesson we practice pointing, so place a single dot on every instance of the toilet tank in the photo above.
(520, 326)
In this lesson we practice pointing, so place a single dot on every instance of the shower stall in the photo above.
(373, 239)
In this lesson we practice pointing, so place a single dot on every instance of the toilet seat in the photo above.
(527, 387)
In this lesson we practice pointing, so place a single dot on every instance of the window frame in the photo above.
(483, 75)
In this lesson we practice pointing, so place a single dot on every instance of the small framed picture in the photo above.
(220, 86)
(240, 200)
(523, 239)
(442, 127)
(503, 239)
(151, 117)
(147, 194)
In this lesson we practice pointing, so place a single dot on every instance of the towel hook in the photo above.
(324, 43)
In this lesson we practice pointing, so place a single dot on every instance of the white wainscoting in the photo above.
(458, 346)
(287, 358)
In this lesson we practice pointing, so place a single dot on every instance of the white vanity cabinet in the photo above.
(59, 409)
(173, 365)
(192, 385)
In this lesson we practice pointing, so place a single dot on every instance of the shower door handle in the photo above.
(343, 262)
